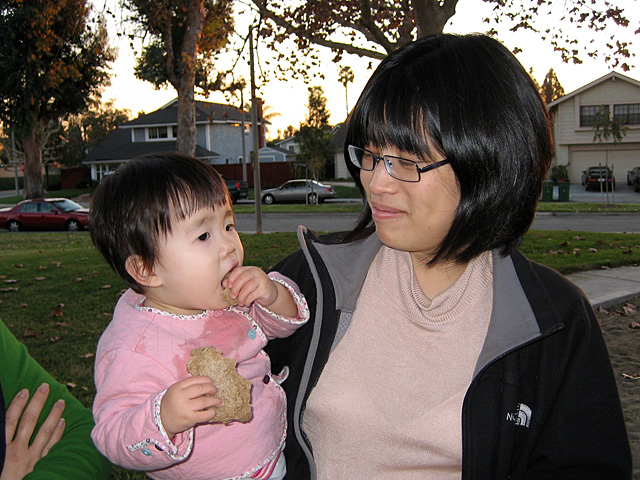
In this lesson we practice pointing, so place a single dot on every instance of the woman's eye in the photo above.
(204, 236)
(405, 163)
(229, 227)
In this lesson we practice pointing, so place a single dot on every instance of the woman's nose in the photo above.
(380, 180)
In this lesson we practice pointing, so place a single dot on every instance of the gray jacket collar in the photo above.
(512, 323)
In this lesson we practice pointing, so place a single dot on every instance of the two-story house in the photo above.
(574, 118)
(222, 129)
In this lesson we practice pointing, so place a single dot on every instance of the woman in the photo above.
(435, 349)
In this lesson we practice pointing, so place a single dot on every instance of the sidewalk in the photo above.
(608, 287)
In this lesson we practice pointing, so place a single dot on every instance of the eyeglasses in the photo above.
(398, 167)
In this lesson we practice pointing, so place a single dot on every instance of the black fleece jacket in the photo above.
(543, 403)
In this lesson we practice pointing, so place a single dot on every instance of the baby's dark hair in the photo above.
(135, 205)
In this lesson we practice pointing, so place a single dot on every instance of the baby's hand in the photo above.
(250, 284)
(187, 403)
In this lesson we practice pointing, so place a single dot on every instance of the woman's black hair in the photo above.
(135, 205)
(468, 98)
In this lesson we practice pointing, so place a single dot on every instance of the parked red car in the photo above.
(45, 214)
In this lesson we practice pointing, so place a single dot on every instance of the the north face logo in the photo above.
(522, 417)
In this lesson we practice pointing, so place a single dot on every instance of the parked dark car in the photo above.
(632, 175)
(45, 214)
(298, 191)
(595, 177)
(237, 188)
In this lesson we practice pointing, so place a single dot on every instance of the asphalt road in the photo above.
(585, 222)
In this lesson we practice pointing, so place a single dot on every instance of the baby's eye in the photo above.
(204, 236)
(229, 227)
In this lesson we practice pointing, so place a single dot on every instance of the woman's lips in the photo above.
(383, 212)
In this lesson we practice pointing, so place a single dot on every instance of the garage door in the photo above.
(620, 160)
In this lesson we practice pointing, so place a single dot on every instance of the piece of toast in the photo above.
(233, 388)
(226, 294)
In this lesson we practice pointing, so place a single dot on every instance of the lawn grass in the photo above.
(57, 293)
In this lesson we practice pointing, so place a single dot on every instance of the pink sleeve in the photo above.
(126, 410)
(276, 326)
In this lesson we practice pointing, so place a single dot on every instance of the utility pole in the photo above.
(244, 152)
(256, 139)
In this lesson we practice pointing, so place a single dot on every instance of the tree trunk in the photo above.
(33, 180)
(187, 132)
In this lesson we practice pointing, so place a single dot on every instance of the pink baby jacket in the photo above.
(144, 351)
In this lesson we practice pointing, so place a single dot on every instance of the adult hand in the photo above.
(187, 403)
(20, 456)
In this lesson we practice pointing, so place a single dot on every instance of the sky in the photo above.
(289, 98)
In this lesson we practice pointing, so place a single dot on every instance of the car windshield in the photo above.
(66, 205)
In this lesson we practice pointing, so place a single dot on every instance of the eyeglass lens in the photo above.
(399, 168)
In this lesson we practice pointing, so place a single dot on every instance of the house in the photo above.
(574, 116)
(220, 136)
(338, 133)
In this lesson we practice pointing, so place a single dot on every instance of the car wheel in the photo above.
(313, 198)
(13, 225)
(636, 187)
(268, 199)
(73, 226)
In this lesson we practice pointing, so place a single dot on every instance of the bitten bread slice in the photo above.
(232, 387)
(226, 294)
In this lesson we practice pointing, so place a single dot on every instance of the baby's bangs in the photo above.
(188, 197)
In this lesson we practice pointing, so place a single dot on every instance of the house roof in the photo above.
(609, 76)
(117, 146)
(206, 112)
(278, 149)
(339, 133)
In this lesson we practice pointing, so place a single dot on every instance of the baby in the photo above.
(164, 223)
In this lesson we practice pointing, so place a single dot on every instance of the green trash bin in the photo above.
(563, 191)
(547, 191)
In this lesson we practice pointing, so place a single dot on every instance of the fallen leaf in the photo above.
(632, 377)
(42, 267)
(57, 264)
(79, 280)
(57, 312)
(24, 305)
(41, 278)
(10, 281)
(54, 339)
(71, 385)
(9, 289)
(593, 250)
(87, 355)
(104, 287)
(18, 265)
(578, 237)
(30, 333)
(62, 324)
(635, 325)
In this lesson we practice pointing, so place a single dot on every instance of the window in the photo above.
(591, 114)
(628, 114)
(157, 133)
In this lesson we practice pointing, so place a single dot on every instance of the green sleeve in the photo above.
(74, 456)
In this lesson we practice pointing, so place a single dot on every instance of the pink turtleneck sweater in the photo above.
(389, 401)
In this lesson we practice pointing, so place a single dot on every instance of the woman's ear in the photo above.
(140, 273)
